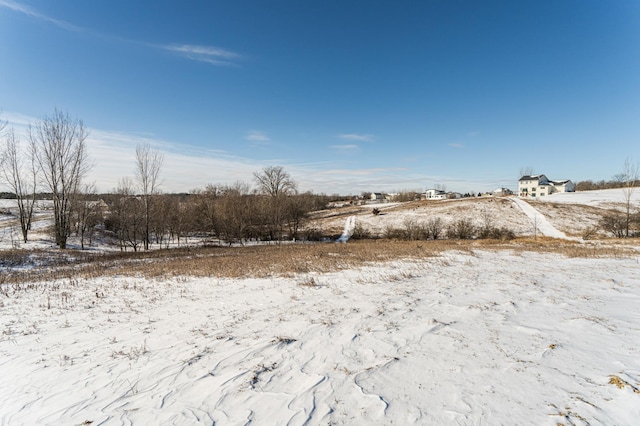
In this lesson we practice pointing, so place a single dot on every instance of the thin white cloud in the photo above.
(456, 145)
(208, 54)
(356, 137)
(257, 136)
(26, 10)
(184, 168)
(16, 120)
(345, 148)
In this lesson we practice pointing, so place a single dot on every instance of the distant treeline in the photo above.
(589, 185)
(12, 196)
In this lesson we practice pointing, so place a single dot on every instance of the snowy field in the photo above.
(487, 337)
(483, 338)
(603, 197)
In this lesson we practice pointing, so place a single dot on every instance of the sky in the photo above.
(347, 96)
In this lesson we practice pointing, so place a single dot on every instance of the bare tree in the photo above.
(629, 179)
(234, 212)
(206, 210)
(526, 171)
(148, 164)
(296, 211)
(21, 180)
(87, 213)
(126, 217)
(275, 181)
(278, 184)
(58, 143)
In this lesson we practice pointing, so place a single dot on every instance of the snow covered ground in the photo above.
(603, 197)
(492, 337)
(538, 220)
(483, 338)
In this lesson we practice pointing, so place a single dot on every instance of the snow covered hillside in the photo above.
(482, 338)
(557, 216)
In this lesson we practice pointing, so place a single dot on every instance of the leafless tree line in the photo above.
(55, 161)
(219, 214)
(136, 214)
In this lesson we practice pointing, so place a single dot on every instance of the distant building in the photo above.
(435, 194)
(502, 192)
(539, 186)
(378, 196)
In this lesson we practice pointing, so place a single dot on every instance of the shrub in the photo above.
(462, 229)
(392, 233)
(590, 233)
(434, 228)
(360, 232)
(375, 211)
(495, 233)
(615, 224)
(313, 234)
(415, 230)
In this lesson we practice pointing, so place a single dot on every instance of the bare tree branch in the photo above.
(629, 178)
(22, 183)
(148, 164)
(58, 143)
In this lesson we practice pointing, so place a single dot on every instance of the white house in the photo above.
(377, 196)
(539, 186)
(435, 194)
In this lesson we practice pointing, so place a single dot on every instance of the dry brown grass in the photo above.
(285, 259)
(620, 383)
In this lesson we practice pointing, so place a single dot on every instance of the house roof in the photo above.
(548, 181)
(530, 177)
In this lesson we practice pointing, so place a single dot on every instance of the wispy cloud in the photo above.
(208, 54)
(456, 145)
(356, 137)
(185, 168)
(257, 136)
(26, 10)
(345, 148)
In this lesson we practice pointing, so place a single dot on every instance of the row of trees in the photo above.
(220, 213)
(55, 160)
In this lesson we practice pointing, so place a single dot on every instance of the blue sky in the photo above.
(348, 96)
